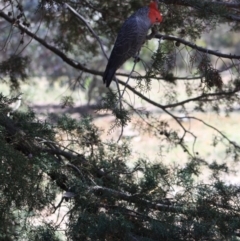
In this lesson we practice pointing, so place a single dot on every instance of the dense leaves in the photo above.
(61, 180)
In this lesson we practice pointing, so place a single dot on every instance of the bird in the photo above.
(131, 37)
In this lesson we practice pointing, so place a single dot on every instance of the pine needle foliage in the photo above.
(60, 180)
(110, 201)
(14, 68)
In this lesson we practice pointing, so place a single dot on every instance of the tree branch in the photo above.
(164, 107)
(134, 199)
(218, 131)
(194, 46)
(64, 57)
(79, 66)
(89, 28)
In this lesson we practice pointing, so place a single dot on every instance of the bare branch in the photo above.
(69, 61)
(202, 97)
(194, 46)
(218, 131)
(134, 199)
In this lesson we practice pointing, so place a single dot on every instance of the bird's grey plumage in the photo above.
(129, 41)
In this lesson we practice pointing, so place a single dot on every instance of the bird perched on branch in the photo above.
(131, 37)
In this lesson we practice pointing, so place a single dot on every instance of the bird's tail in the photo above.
(108, 76)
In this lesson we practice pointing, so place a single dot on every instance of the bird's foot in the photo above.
(136, 59)
(153, 33)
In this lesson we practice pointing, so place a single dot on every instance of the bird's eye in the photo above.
(156, 18)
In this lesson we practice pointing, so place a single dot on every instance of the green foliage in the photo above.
(163, 62)
(108, 192)
(43, 233)
(24, 186)
(211, 75)
(112, 102)
(14, 68)
(111, 200)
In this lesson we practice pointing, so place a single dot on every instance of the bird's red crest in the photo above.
(154, 14)
(153, 5)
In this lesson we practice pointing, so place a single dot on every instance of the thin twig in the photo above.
(199, 48)
(134, 199)
(121, 96)
(129, 76)
(89, 28)
(103, 51)
(218, 131)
